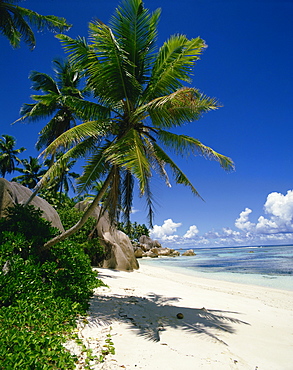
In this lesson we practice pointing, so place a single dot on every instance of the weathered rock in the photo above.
(151, 254)
(119, 250)
(168, 252)
(138, 252)
(146, 243)
(12, 193)
(161, 252)
(189, 252)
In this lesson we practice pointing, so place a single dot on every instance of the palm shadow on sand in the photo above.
(151, 315)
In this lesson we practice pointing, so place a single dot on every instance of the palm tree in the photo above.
(31, 173)
(66, 178)
(8, 154)
(141, 99)
(16, 22)
(53, 101)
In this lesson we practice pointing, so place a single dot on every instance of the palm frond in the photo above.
(173, 65)
(129, 153)
(43, 82)
(127, 195)
(60, 123)
(184, 105)
(50, 22)
(111, 201)
(36, 112)
(95, 168)
(150, 204)
(185, 145)
(179, 176)
(136, 31)
(75, 135)
(87, 110)
(10, 21)
(112, 68)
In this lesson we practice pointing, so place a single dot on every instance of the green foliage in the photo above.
(56, 199)
(33, 331)
(27, 221)
(41, 293)
(68, 273)
(92, 247)
(69, 217)
(133, 230)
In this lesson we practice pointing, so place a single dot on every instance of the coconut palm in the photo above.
(141, 100)
(8, 154)
(31, 173)
(16, 22)
(53, 101)
(66, 177)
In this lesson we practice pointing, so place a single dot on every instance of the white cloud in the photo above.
(168, 228)
(191, 232)
(275, 227)
(242, 222)
(279, 209)
(280, 206)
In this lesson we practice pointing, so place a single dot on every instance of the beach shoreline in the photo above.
(223, 325)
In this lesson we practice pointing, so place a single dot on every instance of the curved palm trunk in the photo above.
(84, 217)
(35, 191)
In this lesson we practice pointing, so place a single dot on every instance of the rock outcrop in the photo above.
(189, 252)
(12, 193)
(119, 250)
(146, 243)
(146, 247)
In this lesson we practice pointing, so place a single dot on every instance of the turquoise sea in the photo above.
(269, 266)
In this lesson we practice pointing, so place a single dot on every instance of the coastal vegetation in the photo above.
(41, 294)
(113, 105)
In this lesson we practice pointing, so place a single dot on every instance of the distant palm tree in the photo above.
(55, 101)
(8, 154)
(65, 180)
(16, 22)
(141, 100)
(31, 173)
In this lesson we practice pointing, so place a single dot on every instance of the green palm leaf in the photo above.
(185, 104)
(173, 65)
(136, 31)
(185, 145)
(180, 177)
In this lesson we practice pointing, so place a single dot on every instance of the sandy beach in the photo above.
(222, 325)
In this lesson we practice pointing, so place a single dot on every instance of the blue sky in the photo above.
(248, 68)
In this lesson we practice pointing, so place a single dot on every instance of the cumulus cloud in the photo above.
(276, 226)
(279, 209)
(164, 232)
(191, 232)
(242, 222)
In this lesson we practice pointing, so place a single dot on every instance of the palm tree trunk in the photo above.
(84, 217)
(35, 191)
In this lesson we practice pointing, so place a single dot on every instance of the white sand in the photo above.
(225, 325)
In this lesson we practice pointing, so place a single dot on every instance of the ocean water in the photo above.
(268, 266)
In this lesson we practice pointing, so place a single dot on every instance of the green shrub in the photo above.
(41, 293)
(56, 199)
(27, 221)
(69, 217)
(92, 247)
(32, 333)
(68, 272)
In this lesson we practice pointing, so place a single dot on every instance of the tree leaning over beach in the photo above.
(140, 98)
